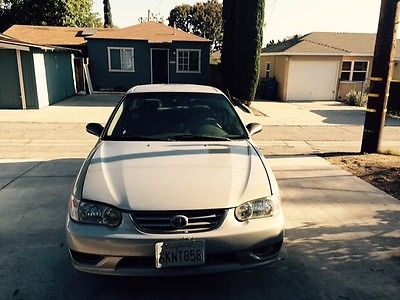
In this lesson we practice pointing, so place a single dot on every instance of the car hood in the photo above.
(175, 175)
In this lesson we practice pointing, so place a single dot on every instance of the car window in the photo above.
(174, 116)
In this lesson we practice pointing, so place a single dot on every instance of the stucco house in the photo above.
(147, 53)
(32, 75)
(119, 58)
(321, 65)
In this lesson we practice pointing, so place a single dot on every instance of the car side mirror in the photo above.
(94, 128)
(254, 128)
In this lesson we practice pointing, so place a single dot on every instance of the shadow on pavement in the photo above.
(350, 117)
(356, 259)
(94, 100)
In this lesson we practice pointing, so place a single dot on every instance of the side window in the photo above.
(268, 70)
(354, 71)
(346, 71)
(188, 61)
(121, 59)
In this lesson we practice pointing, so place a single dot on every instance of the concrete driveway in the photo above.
(342, 241)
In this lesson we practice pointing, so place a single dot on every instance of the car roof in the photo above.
(174, 88)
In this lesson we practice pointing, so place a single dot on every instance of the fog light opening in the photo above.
(85, 258)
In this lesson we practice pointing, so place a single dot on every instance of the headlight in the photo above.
(94, 213)
(254, 209)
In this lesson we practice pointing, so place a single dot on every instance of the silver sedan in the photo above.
(174, 186)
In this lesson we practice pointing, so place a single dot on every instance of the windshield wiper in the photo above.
(194, 137)
(135, 138)
(237, 137)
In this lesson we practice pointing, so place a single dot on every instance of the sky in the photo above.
(283, 18)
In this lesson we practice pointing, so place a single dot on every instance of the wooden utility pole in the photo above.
(381, 76)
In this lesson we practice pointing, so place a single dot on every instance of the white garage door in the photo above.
(312, 80)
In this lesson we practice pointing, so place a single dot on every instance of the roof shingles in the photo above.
(330, 43)
(152, 32)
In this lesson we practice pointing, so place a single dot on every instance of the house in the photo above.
(32, 75)
(147, 53)
(121, 58)
(67, 37)
(321, 65)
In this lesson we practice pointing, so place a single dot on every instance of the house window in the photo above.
(188, 61)
(121, 59)
(354, 71)
(268, 70)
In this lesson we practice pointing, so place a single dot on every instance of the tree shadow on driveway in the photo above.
(350, 117)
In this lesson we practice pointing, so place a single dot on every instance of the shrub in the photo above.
(355, 98)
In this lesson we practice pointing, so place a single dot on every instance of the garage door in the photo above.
(312, 80)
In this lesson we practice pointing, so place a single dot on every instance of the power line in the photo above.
(158, 5)
(270, 16)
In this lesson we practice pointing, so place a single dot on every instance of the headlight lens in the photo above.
(254, 209)
(94, 213)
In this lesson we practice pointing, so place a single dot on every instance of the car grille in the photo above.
(160, 221)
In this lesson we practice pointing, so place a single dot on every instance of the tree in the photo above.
(181, 17)
(207, 21)
(243, 24)
(79, 13)
(294, 38)
(152, 18)
(108, 23)
(48, 12)
(202, 19)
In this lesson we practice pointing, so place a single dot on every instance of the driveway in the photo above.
(342, 241)
(342, 238)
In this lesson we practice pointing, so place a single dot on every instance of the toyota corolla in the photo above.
(174, 186)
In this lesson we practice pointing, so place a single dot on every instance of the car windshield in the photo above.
(175, 116)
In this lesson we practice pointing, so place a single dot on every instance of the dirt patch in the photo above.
(380, 170)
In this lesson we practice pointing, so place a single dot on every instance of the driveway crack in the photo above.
(21, 175)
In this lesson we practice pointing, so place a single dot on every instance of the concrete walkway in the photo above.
(342, 240)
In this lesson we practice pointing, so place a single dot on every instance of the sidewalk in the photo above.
(77, 109)
(315, 127)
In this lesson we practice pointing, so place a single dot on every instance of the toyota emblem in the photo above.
(179, 221)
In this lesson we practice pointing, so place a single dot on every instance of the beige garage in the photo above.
(321, 65)
(312, 80)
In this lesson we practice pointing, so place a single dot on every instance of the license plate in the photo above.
(179, 253)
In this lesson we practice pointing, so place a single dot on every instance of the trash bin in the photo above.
(270, 89)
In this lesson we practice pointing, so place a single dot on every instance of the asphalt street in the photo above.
(342, 234)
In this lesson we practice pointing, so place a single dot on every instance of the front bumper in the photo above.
(127, 251)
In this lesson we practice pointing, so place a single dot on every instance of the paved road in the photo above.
(342, 242)
(289, 128)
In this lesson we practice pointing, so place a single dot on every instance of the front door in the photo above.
(159, 65)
